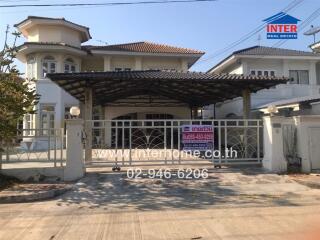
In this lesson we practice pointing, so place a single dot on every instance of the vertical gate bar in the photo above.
(62, 146)
(219, 136)
(49, 147)
(213, 142)
(122, 143)
(130, 146)
(55, 149)
(179, 129)
(225, 140)
(165, 143)
(116, 143)
(172, 142)
(258, 141)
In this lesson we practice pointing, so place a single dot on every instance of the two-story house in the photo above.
(303, 67)
(55, 45)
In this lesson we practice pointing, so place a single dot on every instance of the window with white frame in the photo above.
(118, 69)
(49, 65)
(47, 118)
(299, 76)
(31, 67)
(69, 66)
(266, 73)
(28, 124)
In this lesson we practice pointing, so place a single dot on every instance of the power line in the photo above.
(247, 36)
(103, 4)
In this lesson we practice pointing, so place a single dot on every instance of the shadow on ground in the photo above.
(115, 191)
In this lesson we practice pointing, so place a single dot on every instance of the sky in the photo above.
(206, 26)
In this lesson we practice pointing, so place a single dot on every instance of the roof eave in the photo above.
(107, 52)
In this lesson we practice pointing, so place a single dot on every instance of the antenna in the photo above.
(312, 31)
(259, 40)
(104, 42)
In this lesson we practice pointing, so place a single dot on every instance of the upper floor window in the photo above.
(31, 67)
(122, 69)
(266, 73)
(48, 65)
(69, 65)
(299, 76)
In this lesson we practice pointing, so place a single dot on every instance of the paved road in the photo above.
(110, 206)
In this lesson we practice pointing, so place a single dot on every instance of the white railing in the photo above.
(161, 142)
(34, 148)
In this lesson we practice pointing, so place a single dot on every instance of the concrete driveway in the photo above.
(230, 204)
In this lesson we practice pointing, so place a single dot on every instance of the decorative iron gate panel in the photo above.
(160, 142)
(34, 148)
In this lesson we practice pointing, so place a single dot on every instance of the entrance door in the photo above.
(314, 148)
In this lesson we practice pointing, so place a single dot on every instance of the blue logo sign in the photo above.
(282, 26)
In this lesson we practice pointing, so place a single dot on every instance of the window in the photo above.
(47, 117)
(69, 66)
(266, 73)
(118, 69)
(299, 76)
(28, 124)
(48, 65)
(31, 67)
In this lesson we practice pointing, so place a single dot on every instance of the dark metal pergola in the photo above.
(194, 89)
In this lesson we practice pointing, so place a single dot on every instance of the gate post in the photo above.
(75, 168)
(273, 159)
(88, 123)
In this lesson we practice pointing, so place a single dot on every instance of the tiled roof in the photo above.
(161, 74)
(47, 18)
(267, 51)
(192, 88)
(144, 47)
(48, 44)
(271, 51)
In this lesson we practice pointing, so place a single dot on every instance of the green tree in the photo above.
(17, 95)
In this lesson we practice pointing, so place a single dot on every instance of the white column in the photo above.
(108, 126)
(88, 124)
(184, 65)
(273, 159)
(75, 168)
(107, 63)
(285, 69)
(313, 74)
(246, 98)
(137, 63)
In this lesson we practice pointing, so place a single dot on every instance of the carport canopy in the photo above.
(195, 89)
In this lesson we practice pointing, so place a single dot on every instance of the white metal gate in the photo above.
(34, 148)
(159, 142)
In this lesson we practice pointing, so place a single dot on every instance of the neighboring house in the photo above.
(303, 67)
(54, 45)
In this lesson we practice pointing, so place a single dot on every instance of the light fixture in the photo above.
(75, 111)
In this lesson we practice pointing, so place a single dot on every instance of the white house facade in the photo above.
(303, 67)
(55, 45)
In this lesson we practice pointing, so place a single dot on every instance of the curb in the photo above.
(310, 184)
(33, 197)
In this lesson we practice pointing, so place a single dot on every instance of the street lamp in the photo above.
(75, 112)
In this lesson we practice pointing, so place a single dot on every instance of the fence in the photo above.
(34, 148)
(163, 142)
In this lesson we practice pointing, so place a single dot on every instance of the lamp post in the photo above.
(75, 112)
